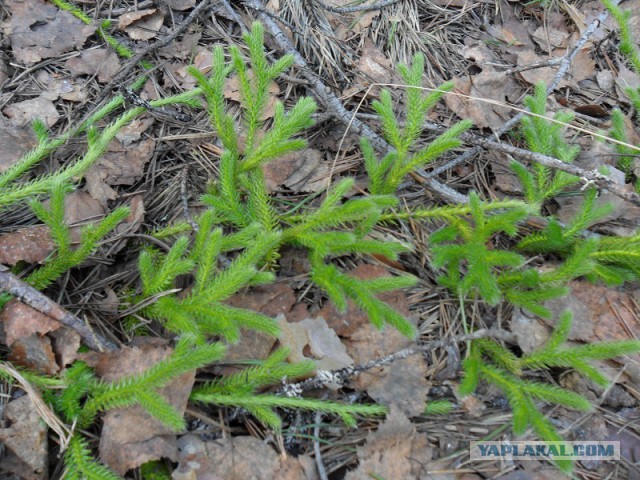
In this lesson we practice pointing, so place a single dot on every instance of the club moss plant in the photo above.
(244, 223)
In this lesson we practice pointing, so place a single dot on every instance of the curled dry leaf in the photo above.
(97, 61)
(270, 300)
(489, 90)
(57, 86)
(326, 349)
(38, 30)
(238, 458)
(396, 450)
(601, 314)
(24, 113)
(143, 24)
(24, 436)
(203, 61)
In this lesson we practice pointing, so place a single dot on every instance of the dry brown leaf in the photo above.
(183, 48)
(14, 143)
(34, 353)
(374, 64)
(20, 320)
(394, 451)
(24, 113)
(119, 166)
(547, 37)
(487, 85)
(29, 244)
(24, 436)
(130, 436)
(59, 87)
(143, 24)
(97, 61)
(66, 343)
(238, 458)
(480, 54)
(133, 132)
(34, 244)
(203, 61)
(303, 171)
(232, 92)
(313, 334)
(38, 30)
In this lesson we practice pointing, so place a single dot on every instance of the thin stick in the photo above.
(340, 376)
(361, 8)
(588, 176)
(322, 473)
(36, 300)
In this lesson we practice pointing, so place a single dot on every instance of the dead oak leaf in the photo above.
(313, 334)
(24, 436)
(97, 61)
(29, 244)
(35, 352)
(38, 30)
(232, 92)
(238, 458)
(303, 171)
(143, 24)
(25, 112)
(487, 91)
(57, 86)
(270, 300)
(20, 320)
(14, 143)
(395, 450)
(119, 166)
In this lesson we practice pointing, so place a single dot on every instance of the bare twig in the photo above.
(591, 176)
(322, 473)
(340, 376)
(361, 8)
(36, 300)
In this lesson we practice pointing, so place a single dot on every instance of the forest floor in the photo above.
(56, 68)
